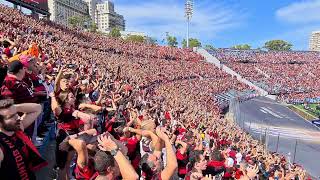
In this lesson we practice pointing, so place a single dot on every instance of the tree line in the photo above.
(87, 23)
(272, 45)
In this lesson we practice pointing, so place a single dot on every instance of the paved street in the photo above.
(262, 116)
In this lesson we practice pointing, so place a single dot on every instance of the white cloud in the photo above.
(303, 17)
(155, 18)
(307, 11)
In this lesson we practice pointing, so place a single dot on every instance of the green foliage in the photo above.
(209, 47)
(192, 43)
(278, 45)
(172, 41)
(115, 32)
(75, 21)
(93, 27)
(241, 47)
(83, 22)
(135, 38)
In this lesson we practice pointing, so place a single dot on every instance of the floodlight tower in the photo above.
(188, 15)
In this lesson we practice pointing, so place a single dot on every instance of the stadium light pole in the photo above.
(188, 15)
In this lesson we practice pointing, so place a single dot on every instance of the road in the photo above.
(262, 116)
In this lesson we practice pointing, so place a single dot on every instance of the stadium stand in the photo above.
(290, 75)
(128, 110)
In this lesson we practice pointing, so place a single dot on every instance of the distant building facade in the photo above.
(62, 10)
(314, 44)
(92, 5)
(106, 18)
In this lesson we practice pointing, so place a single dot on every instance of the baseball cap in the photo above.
(15, 67)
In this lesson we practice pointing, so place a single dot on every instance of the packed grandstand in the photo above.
(152, 107)
(292, 76)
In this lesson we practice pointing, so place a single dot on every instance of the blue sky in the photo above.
(224, 23)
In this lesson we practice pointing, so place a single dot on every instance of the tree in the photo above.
(74, 21)
(172, 41)
(93, 27)
(84, 22)
(278, 45)
(209, 47)
(135, 38)
(115, 32)
(192, 43)
(241, 47)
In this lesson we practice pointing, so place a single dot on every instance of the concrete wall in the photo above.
(208, 56)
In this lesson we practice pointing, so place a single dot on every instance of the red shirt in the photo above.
(67, 122)
(131, 143)
(216, 163)
(33, 80)
(85, 173)
(232, 154)
(238, 174)
(72, 125)
(181, 130)
(7, 52)
(182, 162)
(133, 154)
(17, 90)
(167, 115)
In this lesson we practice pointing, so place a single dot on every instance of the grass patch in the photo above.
(299, 109)
(312, 109)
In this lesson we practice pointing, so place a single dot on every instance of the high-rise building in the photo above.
(92, 4)
(62, 10)
(314, 44)
(107, 18)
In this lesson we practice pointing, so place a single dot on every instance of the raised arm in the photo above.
(171, 163)
(114, 106)
(12, 44)
(82, 152)
(90, 106)
(145, 133)
(101, 95)
(31, 112)
(57, 81)
(87, 118)
(184, 146)
(127, 171)
(55, 107)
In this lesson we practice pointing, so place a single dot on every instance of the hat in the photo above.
(25, 60)
(15, 67)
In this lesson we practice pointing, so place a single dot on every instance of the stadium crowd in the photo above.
(123, 110)
(291, 75)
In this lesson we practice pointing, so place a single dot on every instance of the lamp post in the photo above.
(188, 15)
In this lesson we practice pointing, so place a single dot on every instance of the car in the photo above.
(316, 122)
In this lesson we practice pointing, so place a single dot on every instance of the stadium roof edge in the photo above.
(29, 6)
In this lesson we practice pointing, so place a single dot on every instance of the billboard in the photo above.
(41, 4)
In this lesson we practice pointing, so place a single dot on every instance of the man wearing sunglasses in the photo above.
(19, 158)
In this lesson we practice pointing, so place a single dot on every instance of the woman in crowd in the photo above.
(154, 103)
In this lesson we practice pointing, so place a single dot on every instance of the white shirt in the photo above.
(229, 162)
(239, 158)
